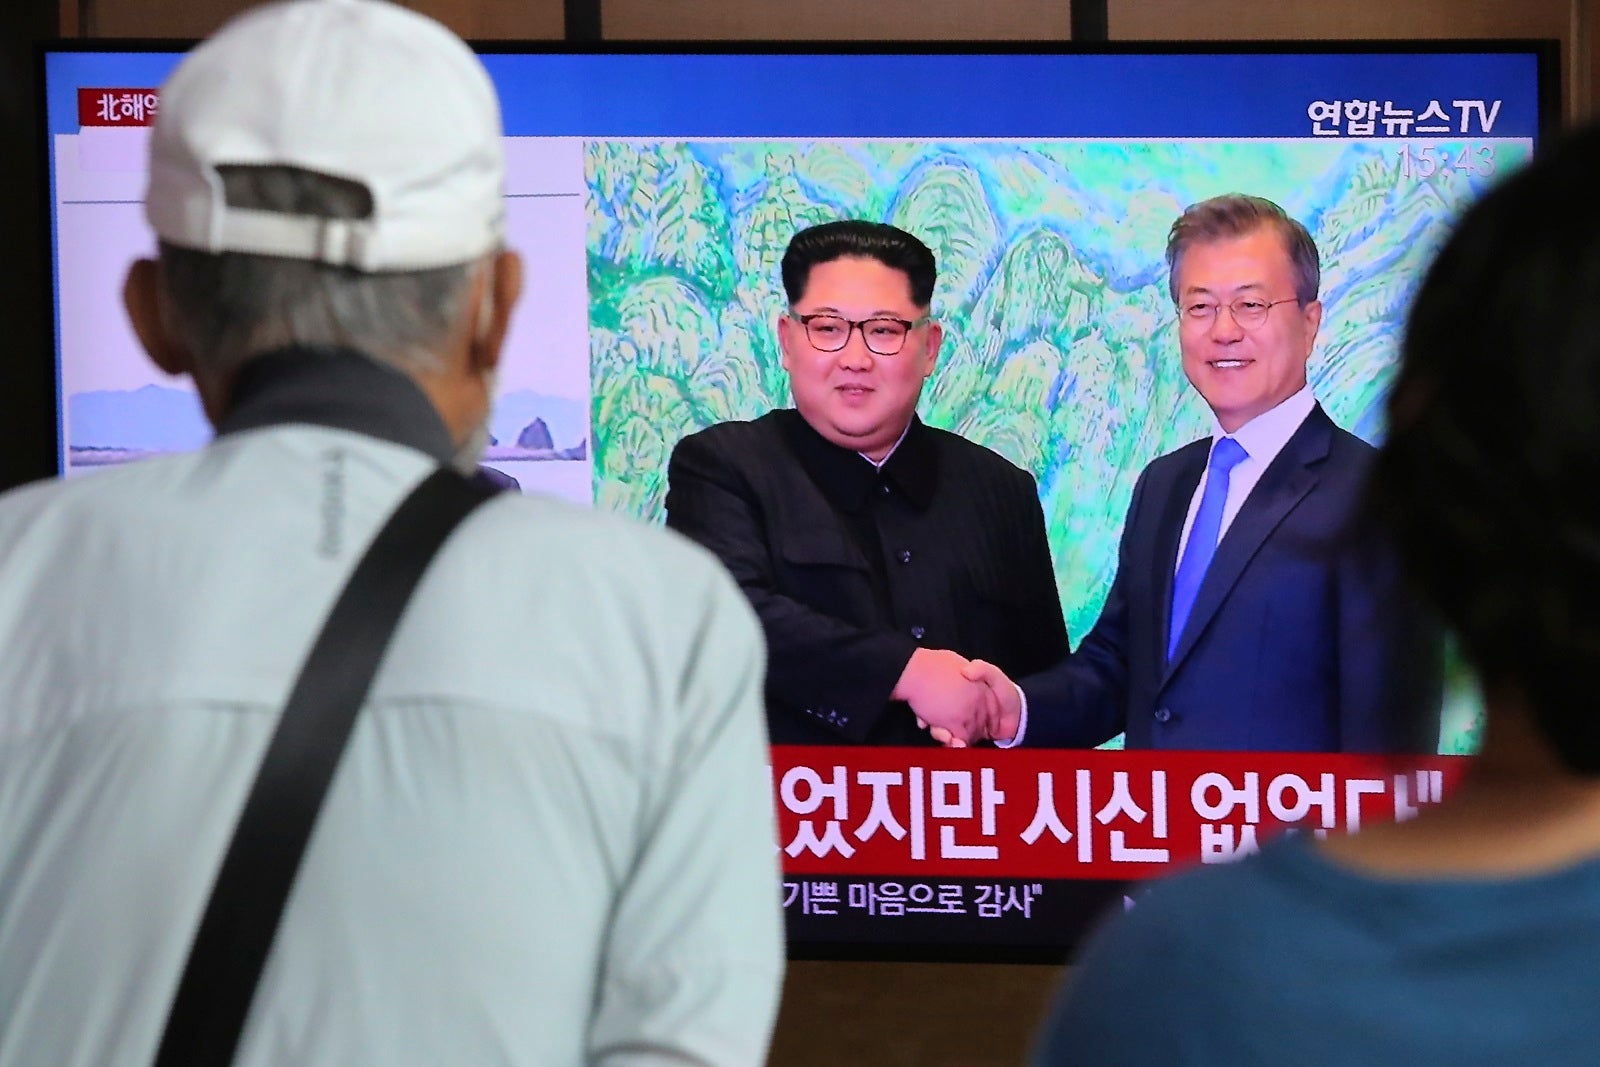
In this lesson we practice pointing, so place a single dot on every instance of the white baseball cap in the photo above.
(362, 90)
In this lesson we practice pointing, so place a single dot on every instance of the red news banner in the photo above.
(117, 107)
(1071, 813)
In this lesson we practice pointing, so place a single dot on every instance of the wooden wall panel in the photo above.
(842, 20)
(910, 1014)
(149, 18)
(1572, 22)
(483, 19)
(1187, 20)
(1331, 19)
(498, 19)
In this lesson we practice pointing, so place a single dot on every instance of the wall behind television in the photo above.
(850, 1013)
(1573, 22)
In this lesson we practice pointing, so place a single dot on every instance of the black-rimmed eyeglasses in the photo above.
(884, 336)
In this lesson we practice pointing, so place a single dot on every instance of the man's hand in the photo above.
(953, 707)
(1003, 709)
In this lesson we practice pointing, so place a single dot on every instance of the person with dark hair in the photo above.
(1469, 933)
(855, 239)
(549, 839)
(1241, 617)
(879, 552)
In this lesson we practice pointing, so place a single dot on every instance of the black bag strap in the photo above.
(241, 918)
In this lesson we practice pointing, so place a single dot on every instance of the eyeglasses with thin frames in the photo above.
(1248, 311)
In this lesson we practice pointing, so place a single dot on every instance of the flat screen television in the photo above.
(652, 190)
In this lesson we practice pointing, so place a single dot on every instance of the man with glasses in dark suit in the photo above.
(879, 552)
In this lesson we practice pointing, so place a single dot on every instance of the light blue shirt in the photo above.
(551, 840)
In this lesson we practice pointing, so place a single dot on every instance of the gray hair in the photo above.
(228, 307)
(1237, 215)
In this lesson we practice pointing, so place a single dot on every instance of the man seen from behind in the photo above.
(550, 840)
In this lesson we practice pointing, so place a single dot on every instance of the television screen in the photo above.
(652, 192)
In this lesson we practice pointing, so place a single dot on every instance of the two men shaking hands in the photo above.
(903, 575)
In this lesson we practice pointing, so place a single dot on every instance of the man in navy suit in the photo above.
(1246, 613)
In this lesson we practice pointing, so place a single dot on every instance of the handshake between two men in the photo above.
(959, 701)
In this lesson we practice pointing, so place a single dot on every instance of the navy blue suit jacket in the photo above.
(1302, 638)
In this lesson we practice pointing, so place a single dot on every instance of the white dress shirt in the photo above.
(1262, 438)
(878, 463)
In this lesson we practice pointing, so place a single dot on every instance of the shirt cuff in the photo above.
(1022, 720)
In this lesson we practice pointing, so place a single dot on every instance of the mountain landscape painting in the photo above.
(111, 426)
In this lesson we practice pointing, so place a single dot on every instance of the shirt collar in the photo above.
(848, 479)
(1264, 436)
(878, 463)
(340, 388)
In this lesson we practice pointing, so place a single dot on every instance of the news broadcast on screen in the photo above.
(652, 192)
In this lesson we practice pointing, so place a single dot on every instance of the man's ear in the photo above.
(930, 357)
(497, 294)
(785, 327)
(485, 323)
(1313, 319)
(141, 295)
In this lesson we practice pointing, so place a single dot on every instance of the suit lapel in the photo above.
(1284, 484)
(1174, 512)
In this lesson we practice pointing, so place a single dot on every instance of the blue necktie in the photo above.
(1225, 455)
